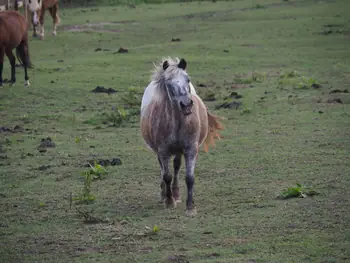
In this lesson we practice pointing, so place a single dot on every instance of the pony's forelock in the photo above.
(160, 75)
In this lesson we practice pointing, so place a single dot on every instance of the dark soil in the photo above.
(44, 167)
(229, 105)
(336, 100)
(15, 129)
(175, 40)
(234, 95)
(339, 91)
(104, 162)
(101, 89)
(122, 50)
(46, 143)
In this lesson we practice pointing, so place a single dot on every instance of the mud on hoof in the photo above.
(170, 203)
(191, 212)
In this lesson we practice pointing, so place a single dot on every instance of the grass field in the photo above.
(290, 62)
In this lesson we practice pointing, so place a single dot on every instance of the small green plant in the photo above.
(118, 117)
(96, 171)
(297, 191)
(208, 95)
(246, 111)
(132, 98)
(42, 204)
(290, 74)
(86, 196)
(255, 77)
(155, 229)
(307, 83)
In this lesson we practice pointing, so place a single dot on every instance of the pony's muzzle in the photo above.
(186, 108)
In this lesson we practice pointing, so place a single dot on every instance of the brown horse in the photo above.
(14, 34)
(37, 9)
(175, 122)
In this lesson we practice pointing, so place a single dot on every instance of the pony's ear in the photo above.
(165, 64)
(182, 64)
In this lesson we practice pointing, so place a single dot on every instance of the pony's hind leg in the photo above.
(175, 185)
(12, 60)
(167, 178)
(190, 160)
(22, 52)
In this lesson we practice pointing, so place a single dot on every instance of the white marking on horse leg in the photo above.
(41, 32)
(26, 83)
(54, 33)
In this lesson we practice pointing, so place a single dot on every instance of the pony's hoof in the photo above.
(170, 203)
(178, 200)
(191, 212)
(54, 33)
(41, 37)
(26, 84)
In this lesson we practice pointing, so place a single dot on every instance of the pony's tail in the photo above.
(214, 125)
(23, 56)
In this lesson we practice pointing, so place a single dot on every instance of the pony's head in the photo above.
(35, 8)
(172, 77)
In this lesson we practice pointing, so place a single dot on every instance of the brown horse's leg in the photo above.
(190, 160)
(23, 53)
(167, 178)
(175, 185)
(2, 54)
(56, 20)
(41, 23)
(12, 60)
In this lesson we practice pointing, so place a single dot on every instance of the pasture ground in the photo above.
(288, 129)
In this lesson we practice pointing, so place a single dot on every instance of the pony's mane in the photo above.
(160, 75)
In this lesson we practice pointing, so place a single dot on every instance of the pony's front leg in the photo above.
(190, 160)
(175, 185)
(162, 183)
(167, 178)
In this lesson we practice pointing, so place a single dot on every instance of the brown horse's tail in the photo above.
(22, 54)
(214, 126)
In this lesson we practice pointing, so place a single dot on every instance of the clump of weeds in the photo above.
(95, 172)
(297, 191)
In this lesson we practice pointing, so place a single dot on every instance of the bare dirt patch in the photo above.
(97, 27)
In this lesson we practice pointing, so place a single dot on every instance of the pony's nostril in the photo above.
(191, 102)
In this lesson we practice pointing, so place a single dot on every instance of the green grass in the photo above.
(283, 134)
